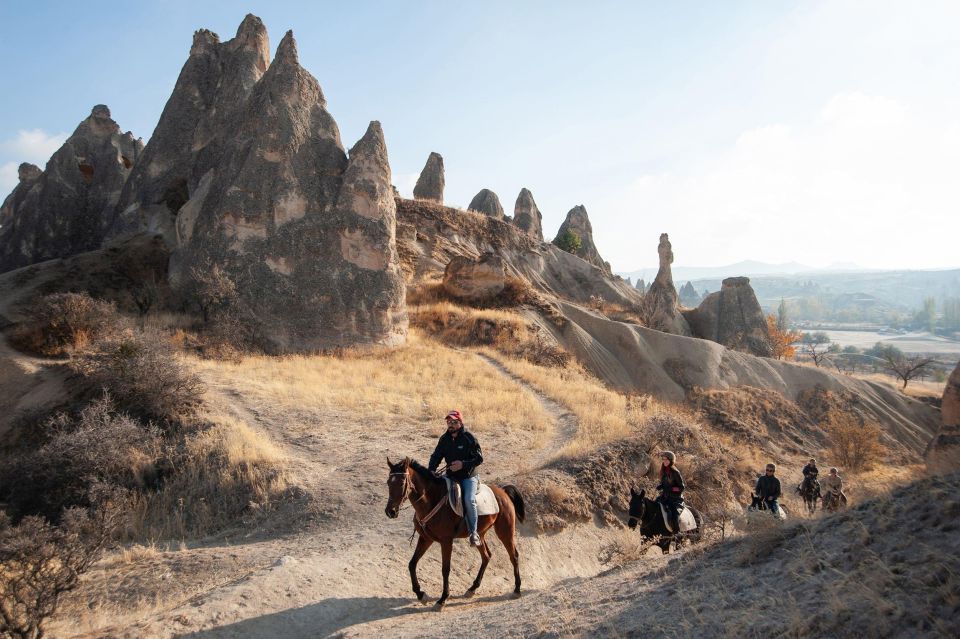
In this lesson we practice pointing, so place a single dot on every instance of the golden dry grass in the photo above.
(419, 382)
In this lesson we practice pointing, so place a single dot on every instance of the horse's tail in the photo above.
(517, 500)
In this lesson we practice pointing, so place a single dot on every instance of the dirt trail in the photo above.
(346, 570)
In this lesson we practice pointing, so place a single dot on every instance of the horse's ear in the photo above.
(633, 493)
(643, 492)
(389, 463)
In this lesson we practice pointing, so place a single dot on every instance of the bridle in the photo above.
(408, 488)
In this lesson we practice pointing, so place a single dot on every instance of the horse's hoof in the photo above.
(422, 598)
(469, 593)
(516, 594)
(438, 606)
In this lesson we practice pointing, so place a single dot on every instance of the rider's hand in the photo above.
(455, 466)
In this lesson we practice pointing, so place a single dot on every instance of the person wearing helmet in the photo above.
(461, 452)
(670, 487)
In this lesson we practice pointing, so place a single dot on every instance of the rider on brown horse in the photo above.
(461, 451)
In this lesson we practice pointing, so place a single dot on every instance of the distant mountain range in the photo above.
(749, 268)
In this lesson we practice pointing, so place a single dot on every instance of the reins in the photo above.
(408, 488)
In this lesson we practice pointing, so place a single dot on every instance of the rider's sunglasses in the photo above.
(769, 470)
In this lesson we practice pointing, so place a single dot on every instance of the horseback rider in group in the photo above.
(810, 473)
(768, 489)
(833, 490)
(461, 452)
(671, 488)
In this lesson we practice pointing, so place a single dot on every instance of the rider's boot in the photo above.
(475, 539)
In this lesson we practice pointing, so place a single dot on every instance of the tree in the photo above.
(783, 322)
(782, 340)
(903, 367)
(570, 242)
(951, 314)
(815, 345)
(929, 314)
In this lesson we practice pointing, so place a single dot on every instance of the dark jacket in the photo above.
(671, 484)
(810, 471)
(768, 486)
(464, 448)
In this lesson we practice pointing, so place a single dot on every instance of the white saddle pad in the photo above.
(687, 521)
(486, 500)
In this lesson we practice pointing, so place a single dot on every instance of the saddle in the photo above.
(486, 500)
(685, 518)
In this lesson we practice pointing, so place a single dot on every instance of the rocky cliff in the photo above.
(732, 316)
(431, 181)
(66, 208)
(661, 307)
(943, 453)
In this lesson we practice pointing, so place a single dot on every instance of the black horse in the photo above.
(810, 493)
(758, 505)
(647, 513)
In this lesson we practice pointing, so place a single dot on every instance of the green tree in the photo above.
(951, 314)
(783, 322)
(928, 316)
(570, 242)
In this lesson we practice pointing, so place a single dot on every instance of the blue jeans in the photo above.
(773, 506)
(469, 488)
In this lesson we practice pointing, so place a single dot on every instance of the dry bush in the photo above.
(144, 376)
(765, 535)
(626, 546)
(65, 323)
(225, 474)
(854, 443)
(97, 446)
(40, 562)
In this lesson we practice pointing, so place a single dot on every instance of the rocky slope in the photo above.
(577, 222)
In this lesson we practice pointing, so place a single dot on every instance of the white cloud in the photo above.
(867, 180)
(34, 146)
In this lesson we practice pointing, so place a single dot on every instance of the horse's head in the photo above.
(638, 507)
(399, 485)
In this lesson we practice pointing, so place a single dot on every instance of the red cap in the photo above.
(455, 414)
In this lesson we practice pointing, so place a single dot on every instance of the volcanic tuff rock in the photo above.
(527, 216)
(689, 295)
(578, 222)
(487, 202)
(431, 182)
(475, 280)
(204, 112)
(943, 454)
(732, 317)
(660, 303)
(307, 236)
(64, 209)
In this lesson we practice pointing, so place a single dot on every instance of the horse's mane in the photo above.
(423, 471)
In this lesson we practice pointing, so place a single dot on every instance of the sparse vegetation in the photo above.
(64, 324)
(782, 339)
(854, 443)
(903, 367)
(570, 242)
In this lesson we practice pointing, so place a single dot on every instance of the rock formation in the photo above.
(475, 280)
(526, 215)
(689, 296)
(65, 209)
(267, 193)
(431, 182)
(578, 223)
(200, 118)
(660, 303)
(641, 286)
(943, 454)
(732, 317)
(487, 202)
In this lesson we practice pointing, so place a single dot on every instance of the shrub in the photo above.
(41, 562)
(64, 323)
(144, 376)
(569, 242)
(97, 446)
(856, 445)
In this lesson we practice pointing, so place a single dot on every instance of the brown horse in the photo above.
(435, 521)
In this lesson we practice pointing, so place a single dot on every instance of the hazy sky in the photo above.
(816, 132)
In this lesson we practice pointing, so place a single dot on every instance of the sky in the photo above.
(815, 132)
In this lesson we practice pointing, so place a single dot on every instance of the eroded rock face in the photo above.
(431, 181)
(732, 317)
(578, 222)
(475, 280)
(943, 454)
(660, 303)
(526, 215)
(307, 235)
(487, 202)
(66, 208)
(199, 120)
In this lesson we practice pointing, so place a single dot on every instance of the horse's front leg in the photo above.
(446, 547)
(423, 543)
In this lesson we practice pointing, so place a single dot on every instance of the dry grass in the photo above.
(419, 382)
(603, 414)
(916, 389)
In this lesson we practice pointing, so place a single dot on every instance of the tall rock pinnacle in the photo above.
(431, 182)
(66, 209)
(527, 216)
(661, 308)
(487, 202)
(732, 316)
(578, 223)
